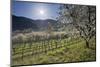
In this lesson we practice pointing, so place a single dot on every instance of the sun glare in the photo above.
(41, 12)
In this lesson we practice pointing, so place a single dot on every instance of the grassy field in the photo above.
(54, 51)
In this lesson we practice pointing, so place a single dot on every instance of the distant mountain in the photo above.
(43, 24)
(22, 23)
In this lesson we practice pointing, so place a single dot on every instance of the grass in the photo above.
(73, 51)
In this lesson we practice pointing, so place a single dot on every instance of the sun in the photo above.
(42, 12)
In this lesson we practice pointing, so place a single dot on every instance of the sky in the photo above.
(35, 10)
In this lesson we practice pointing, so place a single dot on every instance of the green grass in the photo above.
(73, 51)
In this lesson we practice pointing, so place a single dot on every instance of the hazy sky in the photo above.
(35, 10)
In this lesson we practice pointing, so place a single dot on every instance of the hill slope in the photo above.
(21, 23)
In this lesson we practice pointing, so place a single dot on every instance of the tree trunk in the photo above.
(87, 44)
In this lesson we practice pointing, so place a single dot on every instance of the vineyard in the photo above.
(50, 33)
(50, 48)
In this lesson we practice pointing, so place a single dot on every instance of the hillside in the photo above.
(22, 23)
